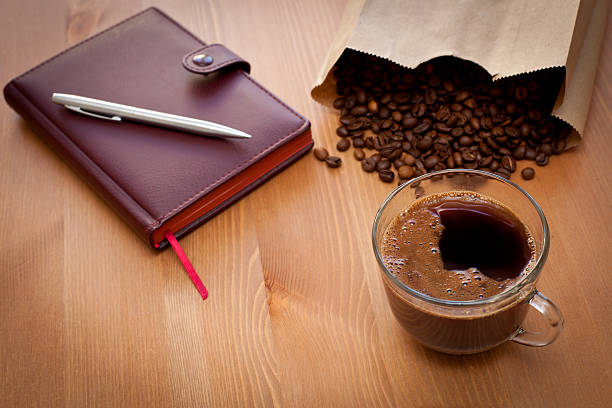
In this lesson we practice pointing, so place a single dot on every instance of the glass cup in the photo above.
(472, 326)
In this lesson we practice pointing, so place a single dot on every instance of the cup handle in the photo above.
(555, 319)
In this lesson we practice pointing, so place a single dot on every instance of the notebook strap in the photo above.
(186, 264)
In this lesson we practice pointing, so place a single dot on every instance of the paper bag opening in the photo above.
(507, 39)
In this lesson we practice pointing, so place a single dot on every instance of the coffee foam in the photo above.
(410, 251)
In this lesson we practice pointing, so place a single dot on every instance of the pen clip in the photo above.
(73, 108)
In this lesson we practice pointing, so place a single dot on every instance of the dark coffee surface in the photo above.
(458, 246)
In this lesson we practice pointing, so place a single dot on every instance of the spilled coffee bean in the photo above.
(343, 144)
(333, 161)
(320, 153)
(528, 173)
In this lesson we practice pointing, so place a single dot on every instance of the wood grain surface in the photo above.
(297, 315)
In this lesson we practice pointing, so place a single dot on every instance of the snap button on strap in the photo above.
(212, 58)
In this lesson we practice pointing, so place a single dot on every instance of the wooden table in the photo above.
(297, 316)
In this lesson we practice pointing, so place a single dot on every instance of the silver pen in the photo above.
(116, 112)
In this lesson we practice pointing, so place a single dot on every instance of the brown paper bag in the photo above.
(505, 37)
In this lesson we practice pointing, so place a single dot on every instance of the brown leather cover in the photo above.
(150, 174)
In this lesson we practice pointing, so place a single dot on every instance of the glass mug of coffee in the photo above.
(460, 252)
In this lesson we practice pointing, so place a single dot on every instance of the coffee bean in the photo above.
(430, 96)
(448, 86)
(475, 123)
(492, 143)
(397, 163)
(354, 125)
(397, 116)
(468, 156)
(486, 123)
(504, 151)
(358, 154)
(384, 112)
(461, 119)
(410, 122)
(442, 114)
(405, 172)
(534, 115)
(494, 165)
(456, 107)
(386, 150)
(343, 144)
(470, 103)
(519, 152)
(409, 159)
(485, 161)
(431, 161)
(518, 122)
(383, 164)
(321, 153)
(457, 132)
(349, 102)
(386, 175)
(377, 144)
(358, 143)
(404, 108)
(465, 141)
(462, 96)
(342, 131)
(468, 129)
(559, 146)
(450, 162)
(484, 149)
(511, 108)
(497, 132)
(546, 148)
(333, 161)
(508, 163)
(422, 127)
(419, 110)
(530, 154)
(368, 165)
(386, 124)
(425, 143)
(401, 97)
(528, 173)
(359, 110)
(339, 103)
(373, 107)
(395, 154)
(458, 159)
(520, 93)
(512, 132)
(541, 159)
(361, 97)
(525, 130)
(416, 153)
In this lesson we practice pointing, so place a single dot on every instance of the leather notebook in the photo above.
(161, 180)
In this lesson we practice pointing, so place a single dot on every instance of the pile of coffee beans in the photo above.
(447, 113)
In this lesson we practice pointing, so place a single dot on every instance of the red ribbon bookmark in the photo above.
(186, 264)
